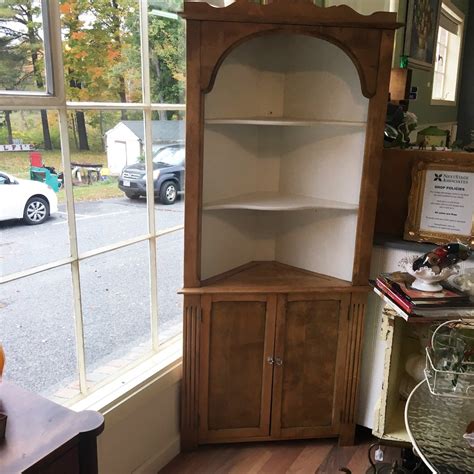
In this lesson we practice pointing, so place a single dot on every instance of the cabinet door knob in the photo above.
(278, 361)
(270, 360)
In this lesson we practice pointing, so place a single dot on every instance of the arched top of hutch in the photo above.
(299, 12)
(220, 30)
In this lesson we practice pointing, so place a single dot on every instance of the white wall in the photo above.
(302, 78)
(141, 433)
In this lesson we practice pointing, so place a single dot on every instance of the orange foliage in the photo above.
(113, 54)
(96, 72)
(80, 55)
(78, 35)
(65, 8)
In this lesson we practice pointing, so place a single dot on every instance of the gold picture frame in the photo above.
(437, 213)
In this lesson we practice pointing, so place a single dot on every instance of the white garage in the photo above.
(125, 141)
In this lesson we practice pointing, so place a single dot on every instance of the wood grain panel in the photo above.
(194, 147)
(304, 12)
(353, 358)
(310, 359)
(44, 437)
(219, 38)
(235, 368)
(238, 337)
(190, 393)
(304, 457)
(372, 164)
(307, 384)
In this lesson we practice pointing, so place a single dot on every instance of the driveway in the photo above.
(36, 312)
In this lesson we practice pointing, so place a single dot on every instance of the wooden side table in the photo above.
(44, 437)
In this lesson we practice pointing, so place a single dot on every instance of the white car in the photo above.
(31, 201)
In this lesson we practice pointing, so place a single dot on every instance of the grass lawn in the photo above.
(18, 164)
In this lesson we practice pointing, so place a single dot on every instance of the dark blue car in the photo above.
(168, 175)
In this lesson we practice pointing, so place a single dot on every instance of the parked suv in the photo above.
(168, 175)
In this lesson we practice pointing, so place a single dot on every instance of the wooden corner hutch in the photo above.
(286, 106)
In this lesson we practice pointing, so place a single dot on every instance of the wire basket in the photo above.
(449, 367)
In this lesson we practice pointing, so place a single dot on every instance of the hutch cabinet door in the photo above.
(311, 333)
(236, 345)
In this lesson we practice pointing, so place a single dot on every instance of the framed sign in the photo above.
(441, 203)
(421, 32)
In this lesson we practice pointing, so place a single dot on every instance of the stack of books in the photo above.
(396, 290)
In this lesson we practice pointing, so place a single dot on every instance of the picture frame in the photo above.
(421, 33)
(441, 202)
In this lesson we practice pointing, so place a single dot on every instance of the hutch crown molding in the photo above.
(286, 106)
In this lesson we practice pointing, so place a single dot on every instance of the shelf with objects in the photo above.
(409, 319)
(286, 107)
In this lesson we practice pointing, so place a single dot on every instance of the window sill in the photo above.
(449, 103)
(163, 368)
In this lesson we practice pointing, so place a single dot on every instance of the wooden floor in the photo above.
(312, 456)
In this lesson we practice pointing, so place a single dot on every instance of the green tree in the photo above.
(12, 64)
(167, 56)
(20, 25)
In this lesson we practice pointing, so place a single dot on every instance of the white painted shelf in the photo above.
(282, 121)
(276, 201)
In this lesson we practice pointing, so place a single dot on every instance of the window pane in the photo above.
(170, 252)
(441, 58)
(438, 85)
(169, 159)
(33, 190)
(167, 52)
(109, 176)
(443, 36)
(101, 42)
(37, 332)
(452, 66)
(116, 310)
(22, 58)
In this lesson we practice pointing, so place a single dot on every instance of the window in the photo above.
(448, 54)
(92, 115)
(24, 65)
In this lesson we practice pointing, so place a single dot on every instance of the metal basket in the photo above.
(456, 381)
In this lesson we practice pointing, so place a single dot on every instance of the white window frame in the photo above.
(460, 18)
(54, 99)
(54, 96)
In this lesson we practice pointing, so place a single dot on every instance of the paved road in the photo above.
(36, 316)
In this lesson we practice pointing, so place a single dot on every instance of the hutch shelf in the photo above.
(281, 122)
(285, 115)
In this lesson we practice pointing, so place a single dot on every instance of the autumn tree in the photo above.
(76, 67)
(102, 55)
(99, 65)
(112, 24)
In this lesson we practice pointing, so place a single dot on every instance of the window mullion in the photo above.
(76, 280)
(54, 47)
(150, 188)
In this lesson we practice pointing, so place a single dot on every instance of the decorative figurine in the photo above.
(437, 265)
(442, 257)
